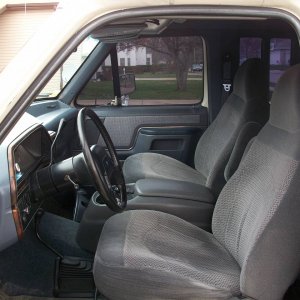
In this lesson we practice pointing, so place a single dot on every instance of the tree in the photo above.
(179, 51)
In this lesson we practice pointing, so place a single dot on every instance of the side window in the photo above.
(167, 70)
(99, 89)
(250, 47)
(280, 55)
(61, 78)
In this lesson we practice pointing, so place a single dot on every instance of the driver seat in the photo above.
(254, 248)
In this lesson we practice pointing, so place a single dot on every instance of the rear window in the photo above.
(250, 47)
(280, 56)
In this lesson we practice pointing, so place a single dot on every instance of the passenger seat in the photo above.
(247, 103)
(243, 142)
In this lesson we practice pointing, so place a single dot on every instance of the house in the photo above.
(18, 21)
(280, 52)
(135, 56)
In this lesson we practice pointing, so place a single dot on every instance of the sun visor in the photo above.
(119, 32)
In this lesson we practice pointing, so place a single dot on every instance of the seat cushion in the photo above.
(152, 255)
(154, 165)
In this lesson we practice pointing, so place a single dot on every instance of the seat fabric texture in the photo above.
(241, 146)
(254, 248)
(154, 255)
(248, 102)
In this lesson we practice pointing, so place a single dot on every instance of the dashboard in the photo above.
(24, 151)
(27, 154)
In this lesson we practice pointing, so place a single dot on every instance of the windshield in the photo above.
(68, 69)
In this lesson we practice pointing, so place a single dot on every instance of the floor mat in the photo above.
(4, 296)
(27, 267)
(74, 278)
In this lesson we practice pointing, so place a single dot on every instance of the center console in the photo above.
(189, 201)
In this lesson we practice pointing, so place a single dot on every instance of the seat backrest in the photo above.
(248, 102)
(246, 135)
(257, 215)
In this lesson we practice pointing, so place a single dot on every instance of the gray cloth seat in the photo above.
(254, 248)
(155, 165)
(247, 103)
(162, 251)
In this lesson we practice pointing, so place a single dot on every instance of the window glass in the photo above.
(122, 61)
(68, 69)
(167, 70)
(280, 55)
(250, 47)
(99, 89)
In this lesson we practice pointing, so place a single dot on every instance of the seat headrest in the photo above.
(251, 81)
(285, 102)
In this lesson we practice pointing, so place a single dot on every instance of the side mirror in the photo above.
(127, 83)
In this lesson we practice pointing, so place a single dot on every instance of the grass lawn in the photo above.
(145, 90)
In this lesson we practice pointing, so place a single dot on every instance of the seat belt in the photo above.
(227, 80)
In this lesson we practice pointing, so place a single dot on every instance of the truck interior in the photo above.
(162, 164)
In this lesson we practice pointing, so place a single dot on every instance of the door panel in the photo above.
(175, 141)
(173, 131)
(123, 130)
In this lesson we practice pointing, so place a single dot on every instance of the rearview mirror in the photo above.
(127, 83)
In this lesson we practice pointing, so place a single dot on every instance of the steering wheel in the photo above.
(104, 166)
